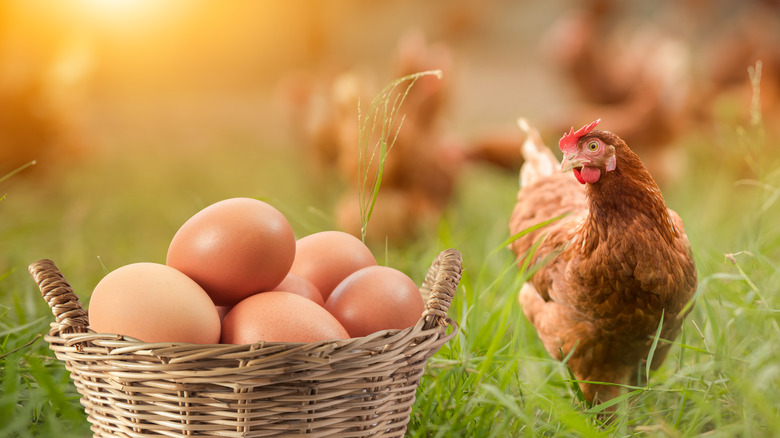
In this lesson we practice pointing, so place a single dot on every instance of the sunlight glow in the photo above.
(115, 5)
(112, 8)
(130, 13)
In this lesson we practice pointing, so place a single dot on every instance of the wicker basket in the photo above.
(347, 388)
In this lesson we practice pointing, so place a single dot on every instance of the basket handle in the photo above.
(440, 285)
(65, 305)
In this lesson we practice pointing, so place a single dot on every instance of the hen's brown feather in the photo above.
(620, 262)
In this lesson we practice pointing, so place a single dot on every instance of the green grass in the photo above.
(494, 378)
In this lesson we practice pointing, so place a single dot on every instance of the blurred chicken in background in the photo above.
(423, 166)
(746, 33)
(628, 70)
(658, 72)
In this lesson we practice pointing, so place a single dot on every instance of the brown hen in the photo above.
(613, 269)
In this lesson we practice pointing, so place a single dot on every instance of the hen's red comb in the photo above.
(569, 141)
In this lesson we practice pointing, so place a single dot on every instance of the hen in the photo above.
(612, 270)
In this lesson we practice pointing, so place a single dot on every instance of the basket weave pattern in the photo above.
(348, 388)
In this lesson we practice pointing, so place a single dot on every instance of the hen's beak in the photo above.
(570, 162)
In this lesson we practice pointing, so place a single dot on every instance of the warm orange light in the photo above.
(112, 9)
(115, 6)
(129, 13)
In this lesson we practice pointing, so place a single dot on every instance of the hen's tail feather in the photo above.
(539, 159)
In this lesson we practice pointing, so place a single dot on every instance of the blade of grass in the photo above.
(654, 345)
(17, 170)
(755, 103)
(599, 408)
(530, 229)
(382, 114)
(38, 336)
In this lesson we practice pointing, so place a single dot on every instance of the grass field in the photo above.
(722, 377)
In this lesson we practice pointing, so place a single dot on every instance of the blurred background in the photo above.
(204, 100)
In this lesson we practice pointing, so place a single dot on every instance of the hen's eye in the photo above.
(592, 146)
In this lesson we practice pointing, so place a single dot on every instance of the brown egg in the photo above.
(301, 286)
(153, 303)
(279, 317)
(376, 298)
(328, 257)
(234, 248)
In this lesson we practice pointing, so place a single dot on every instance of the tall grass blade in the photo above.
(531, 229)
(755, 101)
(17, 170)
(654, 345)
(378, 133)
(599, 408)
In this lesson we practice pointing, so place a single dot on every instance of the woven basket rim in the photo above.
(120, 344)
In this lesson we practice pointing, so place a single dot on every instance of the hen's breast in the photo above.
(631, 277)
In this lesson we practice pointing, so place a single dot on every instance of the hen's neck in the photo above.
(626, 200)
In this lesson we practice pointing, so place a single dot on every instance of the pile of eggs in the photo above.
(235, 274)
